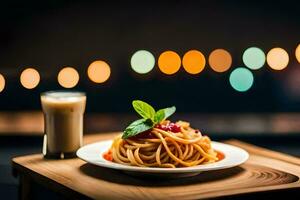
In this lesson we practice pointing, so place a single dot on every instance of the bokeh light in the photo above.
(254, 58)
(297, 52)
(68, 77)
(2, 82)
(193, 62)
(220, 60)
(241, 79)
(99, 71)
(30, 78)
(169, 62)
(142, 61)
(277, 58)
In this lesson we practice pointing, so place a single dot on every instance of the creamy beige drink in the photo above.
(63, 116)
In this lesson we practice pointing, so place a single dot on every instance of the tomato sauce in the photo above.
(108, 155)
(169, 127)
(220, 155)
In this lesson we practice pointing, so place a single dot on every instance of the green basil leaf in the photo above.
(169, 111)
(144, 109)
(163, 114)
(137, 127)
(159, 116)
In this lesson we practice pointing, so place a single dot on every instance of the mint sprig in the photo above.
(149, 118)
(136, 127)
(144, 109)
(163, 114)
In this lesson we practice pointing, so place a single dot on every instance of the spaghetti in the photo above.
(167, 145)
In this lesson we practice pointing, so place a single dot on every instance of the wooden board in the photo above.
(264, 171)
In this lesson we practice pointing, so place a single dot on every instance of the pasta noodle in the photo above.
(159, 147)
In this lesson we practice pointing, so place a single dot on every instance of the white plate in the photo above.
(93, 153)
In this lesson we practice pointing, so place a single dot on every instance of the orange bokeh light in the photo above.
(169, 62)
(193, 62)
(220, 60)
(298, 53)
(98, 71)
(68, 77)
(30, 78)
(277, 58)
(2, 82)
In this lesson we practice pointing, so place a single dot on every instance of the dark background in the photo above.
(49, 35)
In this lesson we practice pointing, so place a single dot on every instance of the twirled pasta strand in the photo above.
(184, 149)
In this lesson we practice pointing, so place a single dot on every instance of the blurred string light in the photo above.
(297, 52)
(241, 79)
(169, 62)
(30, 78)
(193, 62)
(99, 71)
(142, 61)
(254, 58)
(220, 60)
(2, 82)
(68, 77)
(277, 58)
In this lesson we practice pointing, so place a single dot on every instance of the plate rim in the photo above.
(198, 168)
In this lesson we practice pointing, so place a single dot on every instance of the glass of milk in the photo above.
(63, 116)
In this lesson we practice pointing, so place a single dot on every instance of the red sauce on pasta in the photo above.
(169, 127)
(220, 155)
(108, 155)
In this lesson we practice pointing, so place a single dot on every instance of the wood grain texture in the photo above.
(264, 171)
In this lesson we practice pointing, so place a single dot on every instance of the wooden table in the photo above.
(265, 173)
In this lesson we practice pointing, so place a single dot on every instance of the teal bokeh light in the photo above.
(142, 61)
(254, 58)
(241, 79)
